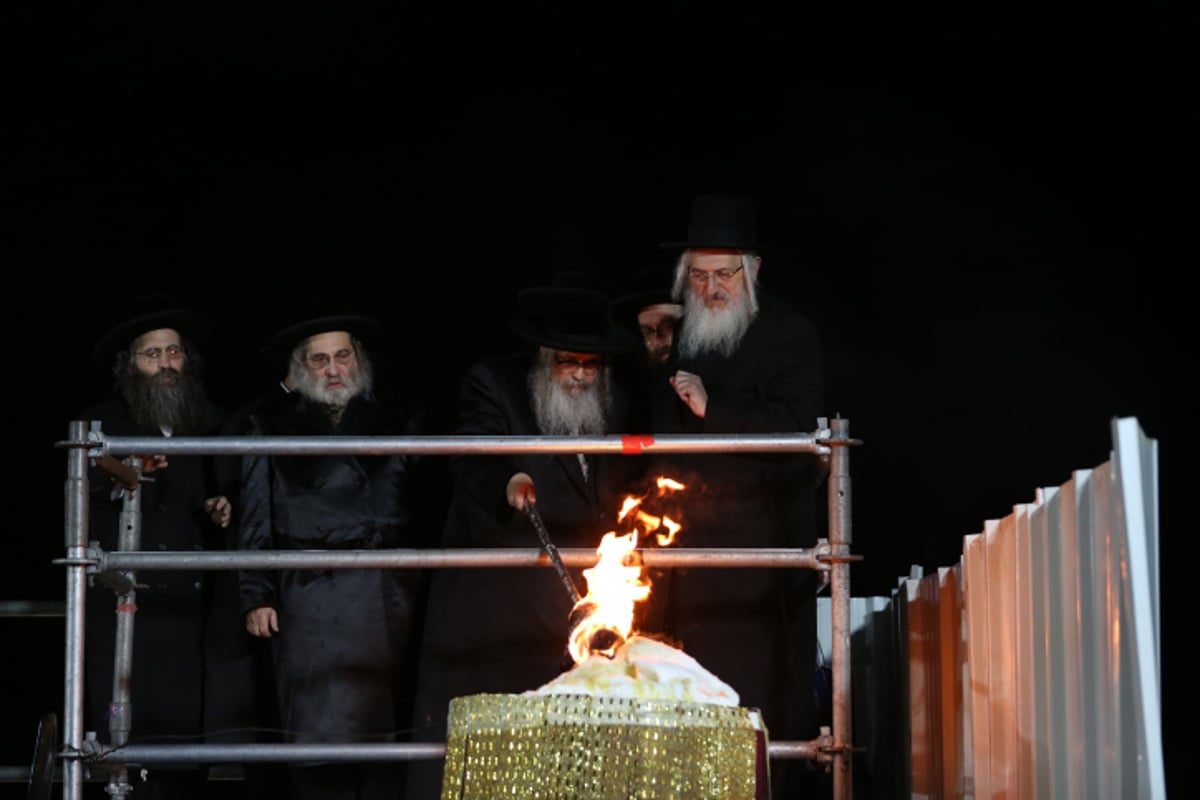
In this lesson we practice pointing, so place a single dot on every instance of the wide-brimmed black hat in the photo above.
(150, 313)
(322, 319)
(648, 287)
(721, 222)
(568, 318)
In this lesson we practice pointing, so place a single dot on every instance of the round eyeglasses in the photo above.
(153, 355)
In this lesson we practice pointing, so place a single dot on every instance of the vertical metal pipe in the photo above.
(75, 526)
(120, 712)
(840, 536)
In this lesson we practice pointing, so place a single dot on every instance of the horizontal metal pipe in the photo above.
(476, 557)
(261, 753)
(101, 445)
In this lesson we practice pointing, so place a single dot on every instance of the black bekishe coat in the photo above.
(504, 630)
(167, 678)
(754, 628)
(343, 633)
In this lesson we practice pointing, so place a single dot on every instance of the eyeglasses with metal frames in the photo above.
(720, 275)
(662, 331)
(153, 355)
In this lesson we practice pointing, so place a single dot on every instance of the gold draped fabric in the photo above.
(581, 746)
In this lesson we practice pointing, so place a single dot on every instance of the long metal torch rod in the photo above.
(536, 518)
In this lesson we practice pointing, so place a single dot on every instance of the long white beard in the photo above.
(560, 412)
(714, 330)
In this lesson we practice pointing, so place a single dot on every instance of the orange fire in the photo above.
(616, 583)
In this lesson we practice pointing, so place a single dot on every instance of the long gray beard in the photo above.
(167, 400)
(334, 401)
(560, 413)
(720, 331)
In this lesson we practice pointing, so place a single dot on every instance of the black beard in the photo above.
(658, 355)
(168, 399)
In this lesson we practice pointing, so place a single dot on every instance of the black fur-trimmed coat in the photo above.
(343, 634)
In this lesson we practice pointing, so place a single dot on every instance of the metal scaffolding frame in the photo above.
(86, 441)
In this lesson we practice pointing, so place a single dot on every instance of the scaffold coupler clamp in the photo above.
(823, 553)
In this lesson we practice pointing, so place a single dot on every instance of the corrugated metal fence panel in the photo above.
(1042, 601)
(1001, 540)
(975, 650)
(1058, 560)
(953, 711)
(879, 727)
(1031, 668)
(1024, 625)
(1136, 473)
(924, 688)
(1106, 597)
(1093, 671)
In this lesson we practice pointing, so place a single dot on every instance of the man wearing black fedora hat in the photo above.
(154, 358)
(340, 637)
(744, 362)
(505, 630)
(650, 312)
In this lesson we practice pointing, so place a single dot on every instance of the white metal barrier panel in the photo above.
(1030, 669)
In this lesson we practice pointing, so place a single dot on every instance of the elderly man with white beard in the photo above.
(340, 637)
(744, 362)
(505, 630)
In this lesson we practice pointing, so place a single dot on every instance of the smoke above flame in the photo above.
(604, 616)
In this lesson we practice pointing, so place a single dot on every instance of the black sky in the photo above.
(982, 215)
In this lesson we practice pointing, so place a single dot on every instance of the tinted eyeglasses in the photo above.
(570, 364)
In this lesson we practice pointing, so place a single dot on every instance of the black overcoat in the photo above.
(754, 628)
(343, 633)
(505, 629)
(167, 680)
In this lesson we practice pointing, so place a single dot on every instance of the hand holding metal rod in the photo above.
(551, 550)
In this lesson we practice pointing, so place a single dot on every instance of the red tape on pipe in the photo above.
(632, 445)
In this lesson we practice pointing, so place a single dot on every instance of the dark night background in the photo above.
(982, 216)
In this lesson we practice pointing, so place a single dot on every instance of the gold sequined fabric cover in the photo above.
(598, 748)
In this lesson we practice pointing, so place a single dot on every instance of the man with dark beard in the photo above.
(340, 637)
(744, 363)
(156, 369)
(650, 313)
(505, 630)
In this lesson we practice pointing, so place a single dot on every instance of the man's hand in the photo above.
(520, 491)
(690, 388)
(219, 510)
(262, 621)
(152, 463)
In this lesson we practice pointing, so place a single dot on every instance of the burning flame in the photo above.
(616, 583)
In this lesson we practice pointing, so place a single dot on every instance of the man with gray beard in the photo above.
(340, 638)
(156, 365)
(575, 403)
(505, 630)
(745, 363)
